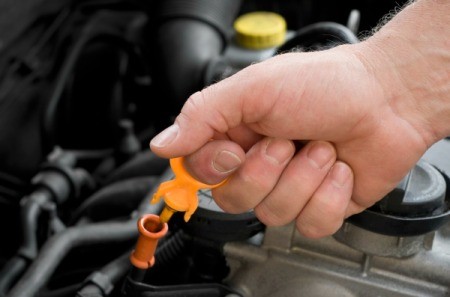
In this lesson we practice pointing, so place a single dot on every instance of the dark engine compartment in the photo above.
(84, 86)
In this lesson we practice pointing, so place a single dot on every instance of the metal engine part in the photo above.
(288, 265)
(383, 245)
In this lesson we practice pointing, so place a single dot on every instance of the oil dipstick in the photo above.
(180, 194)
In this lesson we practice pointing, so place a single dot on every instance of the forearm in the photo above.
(410, 56)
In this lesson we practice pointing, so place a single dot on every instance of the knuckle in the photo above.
(309, 230)
(314, 229)
(193, 105)
(268, 216)
(230, 204)
(256, 181)
(199, 106)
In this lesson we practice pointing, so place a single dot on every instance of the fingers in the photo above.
(326, 210)
(310, 187)
(299, 181)
(256, 178)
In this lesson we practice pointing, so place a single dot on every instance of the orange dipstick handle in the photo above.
(180, 194)
(151, 229)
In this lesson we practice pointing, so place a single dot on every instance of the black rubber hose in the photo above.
(190, 33)
(169, 249)
(143, 164)
(110, 275)
(30, 213)
(319, 36)
(68, 291)
(117, 268)
(11, 271)
(115, 200)
(90, 291)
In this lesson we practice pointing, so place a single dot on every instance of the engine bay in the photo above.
(85, 85)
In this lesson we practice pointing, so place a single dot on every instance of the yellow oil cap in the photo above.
(260, 29)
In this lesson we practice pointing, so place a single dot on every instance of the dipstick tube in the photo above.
(151, 229)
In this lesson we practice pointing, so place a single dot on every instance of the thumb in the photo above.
(215, 110)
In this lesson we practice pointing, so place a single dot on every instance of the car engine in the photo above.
(85, 85)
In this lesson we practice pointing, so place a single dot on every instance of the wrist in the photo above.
(410, 58)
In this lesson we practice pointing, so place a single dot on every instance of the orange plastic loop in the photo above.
(180, 194)
(150, 231)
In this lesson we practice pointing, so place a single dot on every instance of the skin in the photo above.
(316, 137)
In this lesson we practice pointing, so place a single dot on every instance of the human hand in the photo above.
(364, 134)
(254, 116)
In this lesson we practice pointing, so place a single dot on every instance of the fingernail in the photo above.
(279, 150)
(226, 161)
(320, 154)
(340, 174)
(166, 137)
